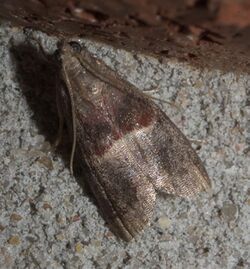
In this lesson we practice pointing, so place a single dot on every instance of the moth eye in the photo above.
(75, 46)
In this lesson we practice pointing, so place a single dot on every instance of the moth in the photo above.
(131, 147)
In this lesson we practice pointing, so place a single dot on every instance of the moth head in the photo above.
(71, 47)
(67, 48)
(78, 69)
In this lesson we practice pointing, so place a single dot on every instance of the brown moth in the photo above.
(131, 147)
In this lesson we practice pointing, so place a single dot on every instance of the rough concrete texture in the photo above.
(47, 220)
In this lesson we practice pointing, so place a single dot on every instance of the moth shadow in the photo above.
(39, 76)
(36, 74)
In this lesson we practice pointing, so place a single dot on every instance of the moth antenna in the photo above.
(73, 122)
(74, 141)
(164, 101)
(61, 121)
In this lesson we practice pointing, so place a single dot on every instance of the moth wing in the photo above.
(174, 166)
(161, 150)
(150, 158)
(125, 197)
(156, 157)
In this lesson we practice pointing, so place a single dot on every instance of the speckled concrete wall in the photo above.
(47, 220)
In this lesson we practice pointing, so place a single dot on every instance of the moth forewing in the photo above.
(130, 146)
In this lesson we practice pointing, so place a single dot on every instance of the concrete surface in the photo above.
(47, 220)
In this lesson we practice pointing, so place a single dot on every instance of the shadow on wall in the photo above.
(39, 77)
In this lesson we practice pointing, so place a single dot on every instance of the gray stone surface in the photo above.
(47, 220)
